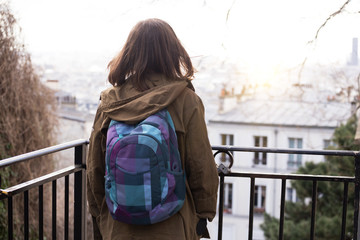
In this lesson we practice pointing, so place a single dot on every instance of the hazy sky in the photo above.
(258, 32)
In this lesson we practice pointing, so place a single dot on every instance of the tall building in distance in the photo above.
(354, 59)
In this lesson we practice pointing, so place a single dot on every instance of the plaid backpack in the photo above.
(144, 179)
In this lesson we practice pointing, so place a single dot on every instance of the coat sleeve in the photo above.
(200, 165)
(96, 166)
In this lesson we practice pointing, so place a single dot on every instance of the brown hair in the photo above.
(152, 47)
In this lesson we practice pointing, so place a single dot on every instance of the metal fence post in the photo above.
(79, 194)
(356, 197)
(222, 170)
(221, 206)
(10, 218)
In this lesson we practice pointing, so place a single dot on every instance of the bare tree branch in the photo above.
(340, 10)
(358, 82)
(328, 19)
(229, 10)
(302, 65)
(27, 121)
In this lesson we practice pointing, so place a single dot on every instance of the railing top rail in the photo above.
(292, 176)
(19, 188)
(42, 152)
(287, 151)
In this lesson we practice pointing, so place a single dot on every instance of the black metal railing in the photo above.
(225, 171)
(78, 169)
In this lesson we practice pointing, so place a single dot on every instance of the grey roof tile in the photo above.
(287, 113)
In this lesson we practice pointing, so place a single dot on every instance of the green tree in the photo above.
(330, 195)
(27, 119)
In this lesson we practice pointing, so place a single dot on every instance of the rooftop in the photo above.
(286, 113)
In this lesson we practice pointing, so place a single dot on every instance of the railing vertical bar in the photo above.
(10, 218)
(251, 208)
(66, 214)
(54, 209)
(80, 194)
(345, 199)
(313, 210)
(282, 209)
(221, 205)
(41, 212)
(26, 215)
(356, 198)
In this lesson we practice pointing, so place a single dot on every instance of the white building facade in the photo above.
(273, 124)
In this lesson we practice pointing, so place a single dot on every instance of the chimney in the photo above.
(227, 101)
(53, 84)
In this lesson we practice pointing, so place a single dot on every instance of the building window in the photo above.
(228, 195)
(260, 157)
(259, 199)
(295, 159)
(291, 194)
(226, 139)
(328, 143)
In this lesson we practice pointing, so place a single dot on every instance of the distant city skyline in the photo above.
(260, 35)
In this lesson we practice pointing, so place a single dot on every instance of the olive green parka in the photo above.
(125, 103)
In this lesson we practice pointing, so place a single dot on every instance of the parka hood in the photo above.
(117, 106)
